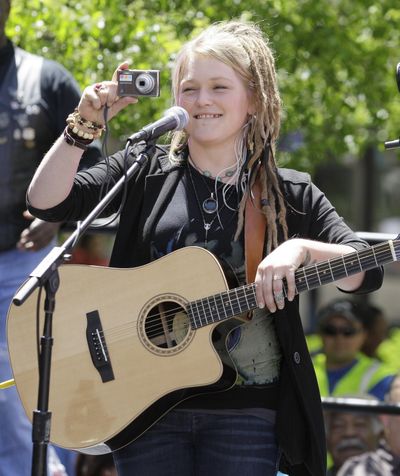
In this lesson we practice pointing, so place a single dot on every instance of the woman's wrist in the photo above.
(75, 140)
(81, 132)
(81, 127)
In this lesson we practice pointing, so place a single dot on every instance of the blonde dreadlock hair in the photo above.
(243, 47)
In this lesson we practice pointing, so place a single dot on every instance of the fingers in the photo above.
(107, 91)
(99, 95)
(37, 235)
(26, 214)
(291, 284)
(264, 293)
(273, 286)
(276, 275)
(278, 291)
(122, 103)
(123, 65)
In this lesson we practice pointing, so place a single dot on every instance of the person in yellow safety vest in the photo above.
(341, 368)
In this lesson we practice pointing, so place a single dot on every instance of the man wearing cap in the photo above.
(341, 368)
(350, 434)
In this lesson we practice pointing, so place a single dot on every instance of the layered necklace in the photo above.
(209, 206)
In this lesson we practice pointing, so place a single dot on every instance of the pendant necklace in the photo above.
(212, 204)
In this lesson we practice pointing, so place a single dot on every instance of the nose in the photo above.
(204, 97)
(350, 429)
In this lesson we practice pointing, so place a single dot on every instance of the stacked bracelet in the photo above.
(82, 128)
(74, 140)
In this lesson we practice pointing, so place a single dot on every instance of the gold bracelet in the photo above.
(81, 127)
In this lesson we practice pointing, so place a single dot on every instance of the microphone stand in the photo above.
(392, 144)
(395, 144)
(46, 275)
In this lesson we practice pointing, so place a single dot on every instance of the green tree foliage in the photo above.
(335, 59)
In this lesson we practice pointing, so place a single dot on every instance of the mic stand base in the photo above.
(40, 437)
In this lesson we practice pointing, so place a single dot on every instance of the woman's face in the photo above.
(217, 100)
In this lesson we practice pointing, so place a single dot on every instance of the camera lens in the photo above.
(144, 83)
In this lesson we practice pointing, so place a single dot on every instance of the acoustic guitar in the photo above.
(131, 343)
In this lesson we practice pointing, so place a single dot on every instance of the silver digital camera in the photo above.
(137, 82)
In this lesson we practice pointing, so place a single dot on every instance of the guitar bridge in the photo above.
(98, 347)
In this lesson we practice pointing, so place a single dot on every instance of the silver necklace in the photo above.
(210, 204)
(207, 225)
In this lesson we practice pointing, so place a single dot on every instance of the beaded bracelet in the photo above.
(76, 141)
(84, 128)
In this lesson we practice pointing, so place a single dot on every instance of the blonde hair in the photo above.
(242, 46)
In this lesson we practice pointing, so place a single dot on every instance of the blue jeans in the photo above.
(185, 443)
(16, 429)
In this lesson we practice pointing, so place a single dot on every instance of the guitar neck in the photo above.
(219, 307)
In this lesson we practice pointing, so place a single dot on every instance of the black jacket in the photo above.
(310, 215)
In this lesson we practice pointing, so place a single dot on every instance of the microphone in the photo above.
(175, 119)
(392, 144)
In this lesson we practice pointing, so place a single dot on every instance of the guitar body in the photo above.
(124, 352)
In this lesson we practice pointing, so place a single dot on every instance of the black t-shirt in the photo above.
(253, 347)
(186, 223)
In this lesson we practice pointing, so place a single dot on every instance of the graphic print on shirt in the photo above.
(253, 346)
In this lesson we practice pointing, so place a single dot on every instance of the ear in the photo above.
(363, 336)
(251, 110)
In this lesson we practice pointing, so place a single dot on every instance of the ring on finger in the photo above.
(276, 277)
(98, 87)
(279, 296)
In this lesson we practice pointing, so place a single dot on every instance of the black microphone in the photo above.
(175, 119)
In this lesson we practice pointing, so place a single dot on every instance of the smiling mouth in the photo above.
(207, 116)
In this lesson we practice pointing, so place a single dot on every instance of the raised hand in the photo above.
(97, 96)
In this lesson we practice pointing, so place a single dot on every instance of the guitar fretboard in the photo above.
(234, 302)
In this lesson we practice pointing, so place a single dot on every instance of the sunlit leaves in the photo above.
(335, 59)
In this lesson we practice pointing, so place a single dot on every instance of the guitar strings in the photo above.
(157, 330)
(158, 326)
(335, 263)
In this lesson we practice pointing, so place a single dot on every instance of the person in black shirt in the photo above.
(218, 176)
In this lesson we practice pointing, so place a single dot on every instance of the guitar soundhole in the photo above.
(165, 326)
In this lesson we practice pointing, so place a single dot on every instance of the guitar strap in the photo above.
(254, 231)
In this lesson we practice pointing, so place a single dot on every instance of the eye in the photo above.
(188, 89)
(220, 86)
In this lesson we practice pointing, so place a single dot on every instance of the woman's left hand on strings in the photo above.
(279, 265)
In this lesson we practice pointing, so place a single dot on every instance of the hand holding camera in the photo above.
(106, 93)
(124, 89)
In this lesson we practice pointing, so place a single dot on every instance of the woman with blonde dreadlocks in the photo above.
(217, 186)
